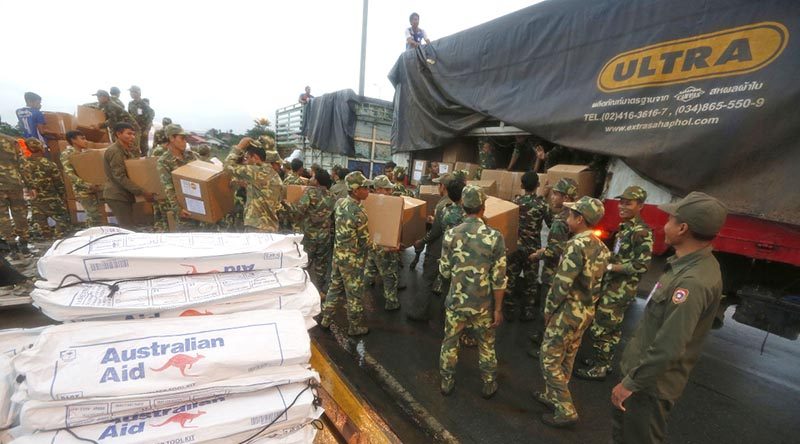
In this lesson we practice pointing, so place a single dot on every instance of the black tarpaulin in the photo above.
(329, 122)
(695, 95)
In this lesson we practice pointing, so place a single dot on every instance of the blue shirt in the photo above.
(29, 119)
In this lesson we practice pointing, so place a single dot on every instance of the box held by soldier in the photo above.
(385, 218)
(203, 189)
(144, 173)
(295, 192)
(503, 216)
(88, 117)
(509, 183)
(89, 166)
(489, 186)
(471, 168)
(58, 123)
(430, 194)
(414, 215)
(581, 174)
(57, 146)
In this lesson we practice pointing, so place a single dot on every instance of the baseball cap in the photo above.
(633, 192)
(472, 196)
(267, 142)
(704, 214)
(101, 92)
(174, 129)
(135, 88)
(382, 182)
(567, 186)
(590, 208)
(356, 180)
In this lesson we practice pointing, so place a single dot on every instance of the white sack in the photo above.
(134, 255)
(108, 358)
(12, 342)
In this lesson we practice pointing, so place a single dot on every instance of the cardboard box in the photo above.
(88, 117)
(385, 217)
(295, 192)
(473, 169)
(509, 183)
(414, 215)
(144, 173)
(420, 166)
(97, 145)
(445, 167)
(579, 173)
(503, 216)
(98, 136)
(57, 146)
(202, 189)
(430, 194)
(544, 186)
(89, 166)
(58, 123)
(459, 152)
(489, 186)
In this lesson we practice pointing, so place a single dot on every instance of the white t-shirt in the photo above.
(418, 36)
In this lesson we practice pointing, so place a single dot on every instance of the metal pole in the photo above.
(363, 48)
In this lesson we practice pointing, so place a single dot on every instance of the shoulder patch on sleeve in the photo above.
(680, 295)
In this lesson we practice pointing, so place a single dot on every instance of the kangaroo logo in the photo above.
(192, 312)
(182, 419)
(181, 362)
(193, 269)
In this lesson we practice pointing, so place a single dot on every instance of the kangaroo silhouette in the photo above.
(193, 269)
(182, 419)
(193, 312)
(181, 362)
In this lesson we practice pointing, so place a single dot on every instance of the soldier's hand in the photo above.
(498, 317)
(540, 154)
(618, 396)
(244, 143)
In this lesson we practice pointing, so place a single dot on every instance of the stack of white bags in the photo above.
(147, 365)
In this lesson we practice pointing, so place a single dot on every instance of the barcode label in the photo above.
(108, 264)
(265, 419)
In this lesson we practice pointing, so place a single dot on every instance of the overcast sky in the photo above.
(207, 64)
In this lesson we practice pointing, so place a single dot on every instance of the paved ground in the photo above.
(736, 394)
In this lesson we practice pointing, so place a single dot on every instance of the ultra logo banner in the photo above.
(724, 53)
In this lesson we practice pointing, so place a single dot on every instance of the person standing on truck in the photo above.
(487, 155)
(414, 34)
(264, 187)
(350, 250)
(115, 92)
(473, 258)
(385, 261)
(85, 193)
(522, 157)
(532, 212)
(306, 96)
(630, 258)
(679, 313)
(31, 118)
(569, 308)
(115, 114)
(143, 114)
(119, 191)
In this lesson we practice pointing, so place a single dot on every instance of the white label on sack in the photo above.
(195, 206)
(189, 188)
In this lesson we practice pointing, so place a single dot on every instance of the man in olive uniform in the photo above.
(629, 261)
(264, 187)
(176, 156)
(679, 313)
(385, 261)
(87, 194)
(532, 212)
(294, 177)
(44, 179)
(339, 187)
(430, 176)
(115, 92)
(569, 308)
(143, 114)
(115, 114)
(160, 138)
(119, 191)
(473, 258)
(12, 184)
(351, 246)
(486, 155)
(315, 208)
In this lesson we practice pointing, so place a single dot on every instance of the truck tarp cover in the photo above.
(696, 95)
(329, 122)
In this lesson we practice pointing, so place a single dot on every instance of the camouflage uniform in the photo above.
(351, 246)
(89, 199)
(452, 215)
(168, 163)
(116, 114)
(487, 160)
(160, 208)
(339, 190)
(473, 258)
(143, 114)
(158, 150)
(315, 207)
(293, 179)
(159, 139)
(44, 177)
(632, 249)
(12, 182)
(559, 232)
(264, 191)
(532, 211)
(569, 308)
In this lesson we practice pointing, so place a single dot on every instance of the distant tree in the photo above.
(260, 128)
(9, 130)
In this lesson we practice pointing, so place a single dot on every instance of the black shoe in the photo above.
(596, 373)
(447, 385)
(559, 423)
(489, 389)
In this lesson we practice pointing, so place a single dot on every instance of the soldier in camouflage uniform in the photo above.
(532, 211)
(143, 114)
(351, 246)
(115, 92)
(87, 194)
(115, 114)
(339, 187)
(264, 187)
(12, 183)
(315, 207)
(486, 155)
(44, 179)
(473, 258)
(294, 177)
(176, 156)
(160, 138)
(399, 189)
(385, 261)
(569, 308)
(633, 248)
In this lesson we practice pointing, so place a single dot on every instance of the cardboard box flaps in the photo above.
(430, 194)
(144, 173)
(579, 173)
(295, 192)
(203, 190)
(503, 216)
(88, 117)
(88, 166)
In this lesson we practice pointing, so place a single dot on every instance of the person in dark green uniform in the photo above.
(679, 313)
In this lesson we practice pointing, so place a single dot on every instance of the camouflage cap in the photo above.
(356, 180)
(590, 208)
(461, 174)
(472, 196)
(115, 91)
(101, 92)
(135, 88)
(567, 186)
(267, 142)
(382, 182)
(34, 145)
(272, 157)
(634, 192)
(204, 150)
(704, 214)
(174, 129)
